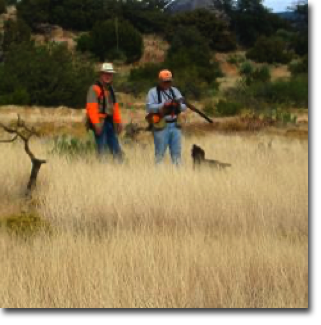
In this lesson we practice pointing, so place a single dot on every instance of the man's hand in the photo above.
(98, 129)
(119, 128)
(165, 110)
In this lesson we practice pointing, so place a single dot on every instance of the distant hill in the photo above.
(188, 5)
(288, 15)
(177, 6)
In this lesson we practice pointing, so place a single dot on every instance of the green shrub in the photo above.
(301, 67)
(228, 108)
(232, 60)
(290, 92)
(209, 107)
(300, 43)
(269, 50)
(3, 7)
(84, 43)
(261, 74)
(286, 118)
(285, 35)
(246, 68)
(190, 82)
(74, 147)
(148, 72)
(143, 78)
(235, 59)
(112, 40)
(25, 225)
(19, 96)
(45, 76)
(260, 95)
(270, 116)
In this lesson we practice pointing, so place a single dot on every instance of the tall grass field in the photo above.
(140, 236)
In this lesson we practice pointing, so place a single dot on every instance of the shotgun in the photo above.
(149, 117)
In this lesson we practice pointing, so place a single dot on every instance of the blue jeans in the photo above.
(169, 137)
(107, 141)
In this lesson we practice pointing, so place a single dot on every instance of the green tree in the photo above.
(213, 29)
(34, 12)
(251, 19)
(145, 15)
(44, 75)
(113, 39)
(301, 39)
(301, 11)
(148, 16)
(189, 58)
(269, 50)
(226, 6)
(15, 32)
(189, 47)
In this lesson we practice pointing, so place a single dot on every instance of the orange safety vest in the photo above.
(97, 108)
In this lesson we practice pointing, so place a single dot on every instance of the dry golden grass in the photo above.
(140, 236)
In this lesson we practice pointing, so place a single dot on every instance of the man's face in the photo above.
(106, 77)
(165, 84)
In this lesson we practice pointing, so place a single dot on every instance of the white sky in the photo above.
(278, 5)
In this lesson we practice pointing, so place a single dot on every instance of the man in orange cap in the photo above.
(164, 101)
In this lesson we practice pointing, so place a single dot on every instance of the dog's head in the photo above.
(198, 153)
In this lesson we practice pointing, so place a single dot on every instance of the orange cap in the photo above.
(165, 75)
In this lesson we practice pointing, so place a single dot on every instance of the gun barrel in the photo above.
(194, 109)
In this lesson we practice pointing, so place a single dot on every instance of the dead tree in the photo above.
(21, 131)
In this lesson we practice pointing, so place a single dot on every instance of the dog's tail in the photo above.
(223, 165)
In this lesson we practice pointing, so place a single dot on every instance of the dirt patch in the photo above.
(57, 35)
(280, 72)
(10, 14)
(231, 71)
(155, 49)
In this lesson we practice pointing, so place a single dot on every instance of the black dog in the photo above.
(198, 155)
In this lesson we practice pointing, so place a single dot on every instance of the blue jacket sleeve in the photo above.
(152, 105)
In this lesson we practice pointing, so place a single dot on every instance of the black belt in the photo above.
(173, 121)
(109, 118)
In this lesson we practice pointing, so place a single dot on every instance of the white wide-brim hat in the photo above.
(107, 67)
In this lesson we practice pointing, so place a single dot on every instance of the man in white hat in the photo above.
(103, 112)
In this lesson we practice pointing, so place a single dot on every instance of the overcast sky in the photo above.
(278, 5)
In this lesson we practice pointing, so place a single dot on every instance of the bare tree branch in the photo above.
(10, 140)
(25, 133)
